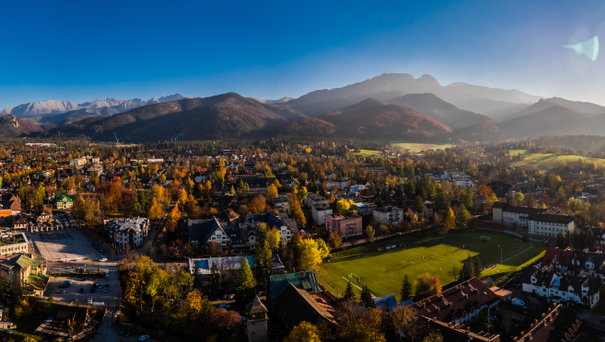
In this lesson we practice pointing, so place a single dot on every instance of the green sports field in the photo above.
(545, 161)
(383, 270)
(420, 147)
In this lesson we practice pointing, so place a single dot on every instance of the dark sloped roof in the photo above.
(306, 280)
(202, 231)
(296, 305)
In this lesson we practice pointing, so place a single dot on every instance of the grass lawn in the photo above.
(419, 147)
(383, 270)
(366, 153)
(544, 161)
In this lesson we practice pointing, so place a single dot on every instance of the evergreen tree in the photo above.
(366, 297)
(349, 294)
(406, 288)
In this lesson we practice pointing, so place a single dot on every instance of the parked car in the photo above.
(144, 337)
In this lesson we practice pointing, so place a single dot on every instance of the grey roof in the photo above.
(202, 230)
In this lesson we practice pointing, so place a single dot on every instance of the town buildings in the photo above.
(390, 216)
(129, 232)
(344, 226)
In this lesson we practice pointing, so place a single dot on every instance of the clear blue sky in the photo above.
(85, 49)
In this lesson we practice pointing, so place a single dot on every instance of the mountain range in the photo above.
(389, 106)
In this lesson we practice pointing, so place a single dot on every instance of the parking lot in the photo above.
(64, 246)
(101, 290)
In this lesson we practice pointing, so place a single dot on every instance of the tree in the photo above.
(308, 254)
(258, 204)
(247, 283)
(406, 288)
(370, 232)
(518, 198)
(303, 332)
(297, 212)
(346, 206)
(450, 219)
(405, 322)
(272, 192)
(263, 259)
(156, 210)
(335, 240)
(367, 327)
(463, 217)
(349, 294)
(561, 241)
(273, 237)
(324, 250)
(366, 297)
(433, 336)
(427, 285)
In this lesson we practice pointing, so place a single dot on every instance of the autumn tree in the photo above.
(308, 253)
(426, 285)
(463, 216)
(247, 283)
(370, 233)
(258, 204)
(335, 240)
(405, 321)
(272, 192)
(304, 332)
(450, 219)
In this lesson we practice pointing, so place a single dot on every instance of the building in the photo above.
(16, 269)
(344, 226)
(227, 266)
(314, 199)
(129, 232)
(78, 162)
(549, 225)
(568, 260)
(459, 304)
(13, 244)
(64, 202)
(555, 287)
(296, 305)
(537, 221)
(319, 212)
(306, 280)
(205, 232)
(512, 215)
(558, 324)
(244, 231)
(257, 322)
(390, 216)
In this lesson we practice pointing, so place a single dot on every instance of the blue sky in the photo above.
(81, 50)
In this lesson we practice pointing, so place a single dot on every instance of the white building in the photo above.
(550, 225)
(390, 216)
(512, 215)
(319, 212)
(129, 232)
(563, 288)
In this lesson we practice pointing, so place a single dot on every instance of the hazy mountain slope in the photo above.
(546, 119)
(388, 86)
(372, 119)
(586, 108)
(439, 110)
